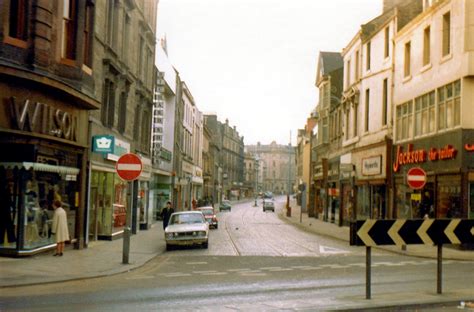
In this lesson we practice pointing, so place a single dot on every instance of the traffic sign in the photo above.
(414, 231)
(416, 178)
(129, 167)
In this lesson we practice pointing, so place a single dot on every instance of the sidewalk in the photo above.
(101, 258)
(332, 230)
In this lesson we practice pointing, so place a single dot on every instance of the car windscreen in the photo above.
(187, 218)
(207, 211)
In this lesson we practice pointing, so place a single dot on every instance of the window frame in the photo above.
(21, 17)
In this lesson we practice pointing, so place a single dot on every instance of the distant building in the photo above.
(276, 166)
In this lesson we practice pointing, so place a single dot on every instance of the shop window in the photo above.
(363, 202)
(449, 197)
(69, 30)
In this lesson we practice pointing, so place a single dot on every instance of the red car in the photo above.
(210, 216)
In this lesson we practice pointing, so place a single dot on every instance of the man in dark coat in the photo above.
(166, 213)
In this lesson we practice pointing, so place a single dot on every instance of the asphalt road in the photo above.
(256, 262)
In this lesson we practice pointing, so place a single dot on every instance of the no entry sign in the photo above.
(129, 167)
(416, 178)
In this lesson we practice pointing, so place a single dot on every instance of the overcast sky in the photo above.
(254, 61)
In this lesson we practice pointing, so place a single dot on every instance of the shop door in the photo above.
(93, 214)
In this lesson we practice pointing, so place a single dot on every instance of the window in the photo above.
(346, 126)
(126, 37)
(69, 30)
(446, 34)
(368, 56)
(348, 73)
(122, 118)
(88, 34)
(404, 120)
(18, 20)
(356, 130)
(325, 130)
(112, 22)
(108, 103)
(387, 42)
(407, 68)
(385, 102)
(357, 66)
(425, 114)
(426, 46)
(367, 112)
(449, 105)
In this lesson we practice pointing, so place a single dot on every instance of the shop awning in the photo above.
(40, 167)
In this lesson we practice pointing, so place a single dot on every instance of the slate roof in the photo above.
(330, 61)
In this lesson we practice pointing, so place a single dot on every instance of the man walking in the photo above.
(166, 213)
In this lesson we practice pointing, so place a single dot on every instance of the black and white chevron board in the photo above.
(413, 231)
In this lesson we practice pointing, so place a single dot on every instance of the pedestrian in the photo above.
(59, 228)
(166, 213)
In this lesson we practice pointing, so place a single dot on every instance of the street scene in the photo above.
(249, 155)
(255, 261)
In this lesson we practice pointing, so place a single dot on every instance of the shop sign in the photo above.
(165, 154)
(45, 119)
(103, 143)
(120, 148)
(187, 167)
(418, 156)
(415, 196)
(469, 147)
(372, 165)
(416, 178)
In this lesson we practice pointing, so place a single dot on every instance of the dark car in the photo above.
(225, 205)
(210, 216)
(268, 205)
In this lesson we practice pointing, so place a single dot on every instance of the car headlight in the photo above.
(169, 235)
(202, 233)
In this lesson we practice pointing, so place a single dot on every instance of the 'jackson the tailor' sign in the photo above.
(412, 156)
(42, 118)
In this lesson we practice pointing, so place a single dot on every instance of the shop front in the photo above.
(43, 160)
(333, 191)
(346, 178)
(371, 183)
(107, 194)
(319, 188)
(145, 210)
(447, 163)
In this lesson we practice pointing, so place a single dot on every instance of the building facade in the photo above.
(47, 90)
(124, 49)
(433, 128)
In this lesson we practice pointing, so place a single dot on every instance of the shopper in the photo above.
(166, 213)
(59, 228)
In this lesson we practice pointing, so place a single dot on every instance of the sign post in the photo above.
(128, 167)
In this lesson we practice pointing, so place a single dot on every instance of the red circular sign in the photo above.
(416, 178)
(129, 167)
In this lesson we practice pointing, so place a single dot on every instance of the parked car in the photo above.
(210, 216)
(187, 228)
(268, 205)
(225, 205)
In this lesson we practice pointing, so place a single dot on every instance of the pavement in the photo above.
(104, 258)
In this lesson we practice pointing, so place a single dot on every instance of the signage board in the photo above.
(103, 144)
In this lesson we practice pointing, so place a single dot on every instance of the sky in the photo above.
(254, 62)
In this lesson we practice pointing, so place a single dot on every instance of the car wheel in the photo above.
(205, 245)
(217, 225)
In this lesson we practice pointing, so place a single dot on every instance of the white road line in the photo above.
(178, 274)
(238, 270)
(216, 273)
(312, 268)
(301, 266)
(204, 272)
(270, 268)
(281, 270)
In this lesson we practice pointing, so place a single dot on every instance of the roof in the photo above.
(329, 61)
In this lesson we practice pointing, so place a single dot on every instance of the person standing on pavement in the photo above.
(166, 213)
(59, 228)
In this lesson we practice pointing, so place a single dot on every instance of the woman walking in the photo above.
(59, 227)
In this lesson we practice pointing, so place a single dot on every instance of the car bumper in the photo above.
(186, 241)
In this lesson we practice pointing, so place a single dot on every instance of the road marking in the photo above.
(253, 274)
(238, 270)
(177, 274)
(204, 272)
(270, 268)
(301, 266)
(140, 277)
(281, 270)
(331, 250)
(216, 273)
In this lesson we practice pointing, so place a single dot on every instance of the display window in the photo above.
(346, 204)
(470, 212)
(26, 200)
(363, 202)
(449, 197)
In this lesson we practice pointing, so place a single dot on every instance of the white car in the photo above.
(187, 228)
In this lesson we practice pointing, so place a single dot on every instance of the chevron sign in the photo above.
(414, 231)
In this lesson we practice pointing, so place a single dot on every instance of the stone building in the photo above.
(277, 166)
(123, 62)
(232, 161)
(47, 89)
